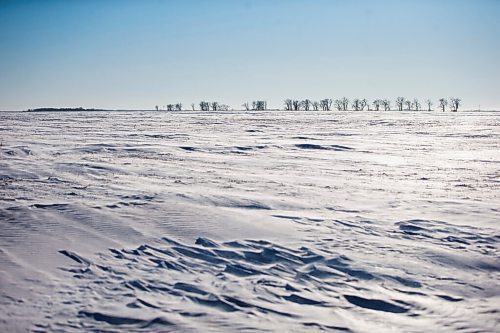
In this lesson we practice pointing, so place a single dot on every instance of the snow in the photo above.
(249, 221)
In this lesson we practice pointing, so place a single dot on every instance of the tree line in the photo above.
(328, 104)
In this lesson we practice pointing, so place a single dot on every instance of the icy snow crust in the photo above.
(275, 221)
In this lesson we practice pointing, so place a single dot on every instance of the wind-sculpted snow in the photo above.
(251, 222)
(250, 285)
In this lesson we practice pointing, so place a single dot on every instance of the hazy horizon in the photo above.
(135, 55)
(240, 108)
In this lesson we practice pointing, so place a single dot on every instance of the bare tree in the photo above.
(323, 104)
(246, 106)
(259, 105)
(338, 104)
(326, 104)
(429, 104)
(345, 103)
(356, 104)
(416, 105)
(386, 103)
(307, 104)
(178, 107)
(192, 106)
(443, 103)
(157, 108)
(296, 105)
(315, 105)
(170, 107)
(222, 107)
(288, 104)
(362, 104)
(215, 106)
(408, 105)
(454, 103)
(376, 103)
(204, 106)
(400, 101)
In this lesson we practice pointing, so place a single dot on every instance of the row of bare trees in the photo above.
(357, 104)
(170, 107)
(327, 104)
(307, 104)
(256, 105)
(214, 106)
(454, 103)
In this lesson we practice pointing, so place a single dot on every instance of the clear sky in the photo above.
(138, 54)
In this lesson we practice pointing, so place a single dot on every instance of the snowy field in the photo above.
(250, 222)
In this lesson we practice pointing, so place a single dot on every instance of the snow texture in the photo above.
(249, 221)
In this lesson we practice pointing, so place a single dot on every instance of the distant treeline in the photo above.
(328, 104)
(63, 109)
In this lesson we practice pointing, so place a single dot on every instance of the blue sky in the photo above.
(137, 54)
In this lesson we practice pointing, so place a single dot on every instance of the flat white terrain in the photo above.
(250, 221)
